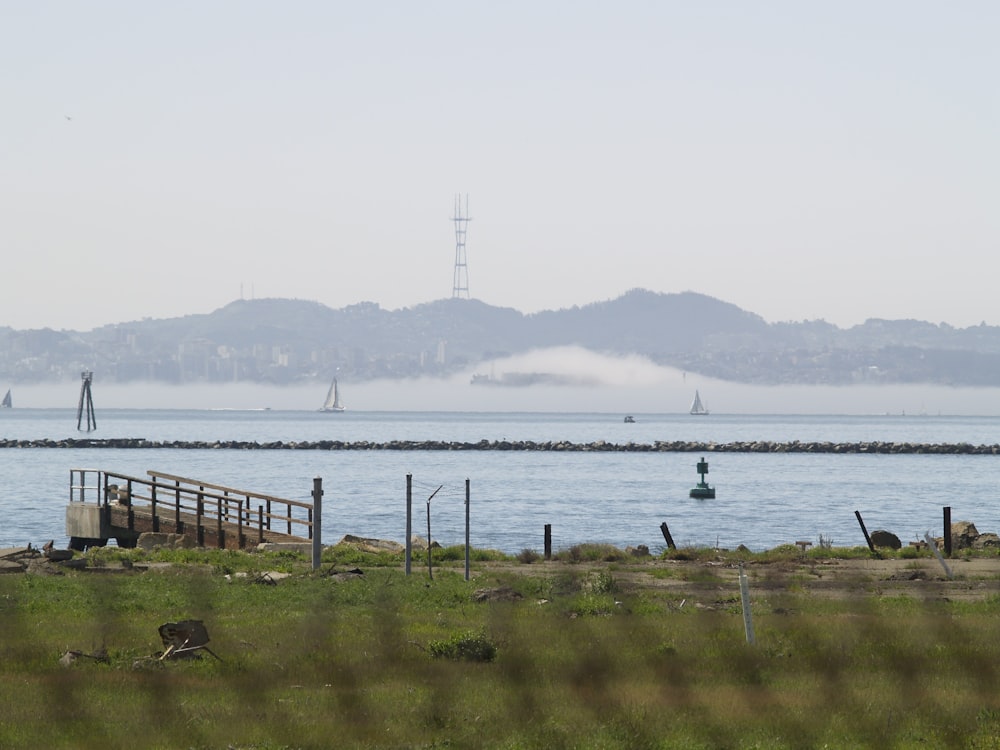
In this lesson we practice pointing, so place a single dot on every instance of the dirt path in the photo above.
(703, 582)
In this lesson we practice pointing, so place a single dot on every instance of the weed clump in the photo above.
(528, 556)
(473, 645)
(602, 582)
(592, 552)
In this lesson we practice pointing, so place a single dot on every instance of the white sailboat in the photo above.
(696, 406)
(332, 402)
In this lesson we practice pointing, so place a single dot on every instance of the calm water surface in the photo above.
(620, 498)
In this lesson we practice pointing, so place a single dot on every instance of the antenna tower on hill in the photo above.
(460, 285)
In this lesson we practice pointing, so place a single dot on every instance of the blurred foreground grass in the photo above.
(547, 655)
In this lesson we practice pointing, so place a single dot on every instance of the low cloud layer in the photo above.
(618, 385)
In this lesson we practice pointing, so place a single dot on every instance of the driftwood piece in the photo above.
(71, 657)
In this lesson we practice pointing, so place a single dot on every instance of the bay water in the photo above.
(762, 500)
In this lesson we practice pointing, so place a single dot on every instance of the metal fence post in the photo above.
(466, 529)
(409, 521)
(317, 528)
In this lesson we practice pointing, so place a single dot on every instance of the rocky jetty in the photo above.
(659, 446)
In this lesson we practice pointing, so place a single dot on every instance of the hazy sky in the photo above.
(802, 160)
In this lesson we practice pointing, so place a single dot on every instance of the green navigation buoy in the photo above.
(702, 490)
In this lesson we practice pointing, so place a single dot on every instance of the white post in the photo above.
(937, 554)
(745, 600)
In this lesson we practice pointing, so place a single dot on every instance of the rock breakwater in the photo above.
(600, 446)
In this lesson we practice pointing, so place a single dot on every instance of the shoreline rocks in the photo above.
(600, 446)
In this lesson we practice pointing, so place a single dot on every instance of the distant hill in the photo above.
(648, 323)
(287, 340)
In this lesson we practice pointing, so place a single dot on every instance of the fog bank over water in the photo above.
(631, 385)
(458, 395)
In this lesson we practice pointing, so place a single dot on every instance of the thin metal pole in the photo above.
(317, 527)
(409, 522)
(430, 569)
(466, 529)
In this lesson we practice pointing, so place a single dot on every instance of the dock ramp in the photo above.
(105, 505)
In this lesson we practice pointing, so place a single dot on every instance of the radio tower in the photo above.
(460, 286)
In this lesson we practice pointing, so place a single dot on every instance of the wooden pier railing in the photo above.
(203, 511)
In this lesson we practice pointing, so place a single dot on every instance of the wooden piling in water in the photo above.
(868, 539)
(665, 530)
(947, 531)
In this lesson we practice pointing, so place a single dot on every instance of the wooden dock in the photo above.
(106, 505)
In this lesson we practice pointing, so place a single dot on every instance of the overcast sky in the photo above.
(802, 160)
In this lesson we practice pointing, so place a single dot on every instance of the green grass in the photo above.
(382, 660)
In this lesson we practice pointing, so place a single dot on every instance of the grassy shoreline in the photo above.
(593, 650)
